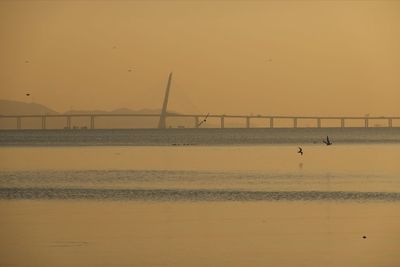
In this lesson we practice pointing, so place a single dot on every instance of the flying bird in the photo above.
(300, 151)
(27, 94)
(204, 120)
(327, 141)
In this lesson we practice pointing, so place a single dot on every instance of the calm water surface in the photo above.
(223, 204)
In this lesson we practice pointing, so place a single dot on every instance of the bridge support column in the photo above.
(91, 122)
(247, 122)
(196, 122)
(342, 123)
(18, 123)
(294, 122)
(366, 123)
(162, 124)
(390, 124)
(271, 122)
(68, 122)
(318, 123)
(222, 122)
(43, 122)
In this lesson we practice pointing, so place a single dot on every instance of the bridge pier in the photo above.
(92, 122)
(162, 124)
(18, 123)
(43, 118)
(43, 122)
(68, 122)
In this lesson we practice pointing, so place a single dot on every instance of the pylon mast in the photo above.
(163, 114)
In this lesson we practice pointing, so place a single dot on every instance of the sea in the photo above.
(200, 197)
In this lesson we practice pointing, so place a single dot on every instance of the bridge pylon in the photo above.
(162, 123)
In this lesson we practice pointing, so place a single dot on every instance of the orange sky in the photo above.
(300, 58)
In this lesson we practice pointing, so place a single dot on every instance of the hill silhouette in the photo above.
(9, 107)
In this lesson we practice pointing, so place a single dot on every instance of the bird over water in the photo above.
(204, 120)
(327, 141)
(300, 151)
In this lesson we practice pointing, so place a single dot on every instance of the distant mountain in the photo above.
(140, 111)
(115, 111)
(85, 112)
(9, 107)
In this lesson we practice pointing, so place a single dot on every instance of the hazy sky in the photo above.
(262, 57)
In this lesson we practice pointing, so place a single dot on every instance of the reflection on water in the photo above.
(197, 137)
(349, 168)
(200, 206)
(179, 234)
(191, 195)
(63, 244)
(193, 180)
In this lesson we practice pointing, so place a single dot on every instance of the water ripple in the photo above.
(192, 195)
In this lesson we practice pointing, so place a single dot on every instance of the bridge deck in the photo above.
(196, 117)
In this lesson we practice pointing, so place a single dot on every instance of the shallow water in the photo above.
(197, 137)
(219, 205)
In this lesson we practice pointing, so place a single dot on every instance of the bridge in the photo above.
(270, 119)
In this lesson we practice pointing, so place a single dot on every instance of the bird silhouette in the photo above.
(204, 120)
(327, 141)
(300, 151)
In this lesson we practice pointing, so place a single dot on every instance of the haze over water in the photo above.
(228, 57)
(171, 204)
(200, 197)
